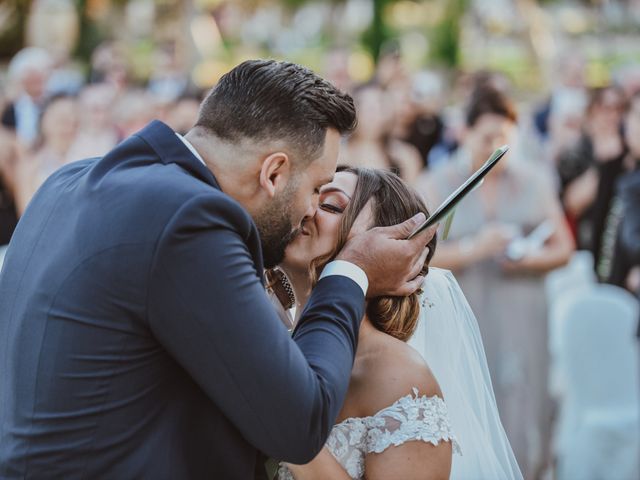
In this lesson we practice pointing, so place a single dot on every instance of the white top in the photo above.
(410, 418)
(337, 267)
(27, 118)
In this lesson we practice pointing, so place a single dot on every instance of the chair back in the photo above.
(597, 347)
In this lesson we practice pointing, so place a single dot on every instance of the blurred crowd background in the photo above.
(547, 251)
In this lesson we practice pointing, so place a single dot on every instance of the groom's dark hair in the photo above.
(267, 99)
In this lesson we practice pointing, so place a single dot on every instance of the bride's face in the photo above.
(319, 234)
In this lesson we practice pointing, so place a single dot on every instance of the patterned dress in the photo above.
(410, 418)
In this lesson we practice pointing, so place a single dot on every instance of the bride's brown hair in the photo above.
(393, 202)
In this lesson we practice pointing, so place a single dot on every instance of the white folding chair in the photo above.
(598, 435)
(576, 274)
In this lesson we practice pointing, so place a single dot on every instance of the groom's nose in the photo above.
(313, 207)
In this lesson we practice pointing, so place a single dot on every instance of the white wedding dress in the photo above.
(410, 418)
(449, 340)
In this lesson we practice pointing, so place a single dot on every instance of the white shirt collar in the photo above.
(191, 148)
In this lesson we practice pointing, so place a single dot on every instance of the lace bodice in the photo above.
(409, 418)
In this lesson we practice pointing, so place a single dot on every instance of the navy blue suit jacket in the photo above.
(136, 339)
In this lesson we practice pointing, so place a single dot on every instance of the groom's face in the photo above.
(279, 222)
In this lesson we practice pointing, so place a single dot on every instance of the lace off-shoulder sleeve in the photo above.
(410, 418)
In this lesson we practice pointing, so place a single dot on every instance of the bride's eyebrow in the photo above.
(334, 189)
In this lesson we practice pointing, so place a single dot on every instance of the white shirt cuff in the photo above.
(349, 270)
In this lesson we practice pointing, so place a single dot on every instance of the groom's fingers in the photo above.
(362, 222)
(426, 235)
(410, 287)
(392, 263)
(417, 266)
(402, 230)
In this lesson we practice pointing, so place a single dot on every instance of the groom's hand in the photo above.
(391, 262)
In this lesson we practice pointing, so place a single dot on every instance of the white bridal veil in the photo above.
(448, 338)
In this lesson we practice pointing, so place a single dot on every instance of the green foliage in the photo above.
(12, 33)
(445, 39)
(376, 35)
(293, 4)
(378, 32)
(90, 34)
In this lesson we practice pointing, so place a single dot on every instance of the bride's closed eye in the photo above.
(333, 200)
(331, 208)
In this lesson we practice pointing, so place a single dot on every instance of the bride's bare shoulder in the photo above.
(390, 372)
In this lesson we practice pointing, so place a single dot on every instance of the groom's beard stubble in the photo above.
(275, 229)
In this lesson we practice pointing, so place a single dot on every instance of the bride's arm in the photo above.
(415, 460)
(411, 439)
(322, 467)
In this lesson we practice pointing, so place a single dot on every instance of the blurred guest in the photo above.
(3, 100)
(588, 170)
(371, 144)
(108, 65)
(501, 268)
(630, 234)
(8, 210)
(570, 88)
(565, 127)
(453, 126)
(97, 133)
(627, 255)
(390, 70)
(620, 246)
(133, 110)
(67, 76)
(29, 70)
(58, 130)
(454, 116)
(168, 81)
(336, 69)
(628, 78)
(418, 120)
(483, 78)
(182, 115)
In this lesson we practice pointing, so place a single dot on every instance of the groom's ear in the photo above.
(275, 173)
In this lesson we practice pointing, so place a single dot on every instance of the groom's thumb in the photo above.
(404, 229)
